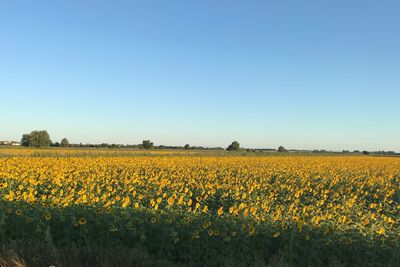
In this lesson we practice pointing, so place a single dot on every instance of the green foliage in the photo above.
(56, 144)
(64, 142)
(147, 144)
(235, 146)
(189, 239)
(25, 140)
(36, 139)
(187, 147)
(281, 149)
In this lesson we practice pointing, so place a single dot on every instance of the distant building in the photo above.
(10, 143)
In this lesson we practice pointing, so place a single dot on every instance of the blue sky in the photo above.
(303, 74)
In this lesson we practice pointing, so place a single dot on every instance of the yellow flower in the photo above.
(220, 211)
(171, 201)
(246, 212)
(365, 222)
(252, 230)
(210, 232)
(206, 225)
(47, 216)
(82, 221)
(126, 202)
(381, 231)
(302, 192)
(205, 209)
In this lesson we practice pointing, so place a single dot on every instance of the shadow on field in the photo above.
(85, 236)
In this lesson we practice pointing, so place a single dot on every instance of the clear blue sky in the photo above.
(303, 74)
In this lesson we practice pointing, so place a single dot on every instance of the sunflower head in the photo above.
(82, 221)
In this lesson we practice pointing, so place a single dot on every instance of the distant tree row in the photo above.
(235, 146)
(42, 139)
(64, 143)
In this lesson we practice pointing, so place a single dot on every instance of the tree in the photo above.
(147, 144)
(235, 146)
(39, 139)
(281, 149)
(365, 152)
(64, 142)
(187, 147)
(25, 140)
(56, 144)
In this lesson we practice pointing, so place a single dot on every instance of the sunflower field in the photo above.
(193, 210)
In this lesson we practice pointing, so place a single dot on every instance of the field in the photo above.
(165, 208)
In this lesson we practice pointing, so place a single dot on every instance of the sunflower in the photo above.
(220, 211)
(47, 216)
(206, 225)
(252, 230)
(171, 201)
(381, 231)
(82, 221)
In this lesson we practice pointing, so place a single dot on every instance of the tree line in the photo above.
(42, 139)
